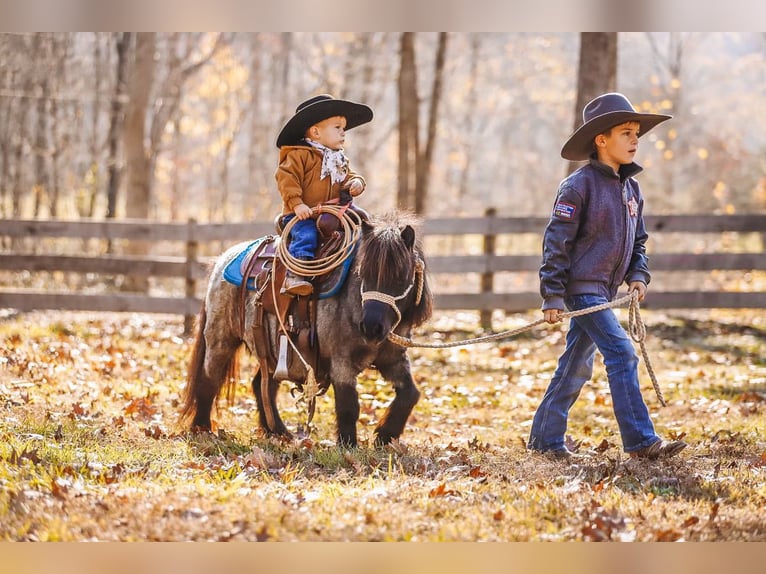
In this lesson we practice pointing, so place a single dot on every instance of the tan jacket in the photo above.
(298, 178)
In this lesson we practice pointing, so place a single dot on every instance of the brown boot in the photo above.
(296, 285)
(660, 449)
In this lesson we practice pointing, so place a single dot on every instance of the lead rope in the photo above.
(636, 328)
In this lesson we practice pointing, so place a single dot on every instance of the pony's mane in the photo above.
(386, 263)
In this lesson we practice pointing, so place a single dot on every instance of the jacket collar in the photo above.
(626, 170)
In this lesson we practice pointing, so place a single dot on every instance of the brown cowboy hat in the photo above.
(319, 108)
(600, 114)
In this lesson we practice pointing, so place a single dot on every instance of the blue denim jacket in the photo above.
(595, 239)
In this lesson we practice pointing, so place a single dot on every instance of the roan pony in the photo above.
(387, 291)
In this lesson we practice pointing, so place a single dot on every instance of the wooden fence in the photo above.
(185, 264)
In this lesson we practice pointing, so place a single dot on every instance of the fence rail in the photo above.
(186, 265)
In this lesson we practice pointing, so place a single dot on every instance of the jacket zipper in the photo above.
(623, 235)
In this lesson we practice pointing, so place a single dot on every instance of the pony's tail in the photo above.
(196, 367)
(199, 384)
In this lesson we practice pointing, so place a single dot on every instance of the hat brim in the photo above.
(579, 146)
(295, 128)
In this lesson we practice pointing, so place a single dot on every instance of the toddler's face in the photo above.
(330, 132)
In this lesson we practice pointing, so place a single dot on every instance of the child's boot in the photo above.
(296, 284)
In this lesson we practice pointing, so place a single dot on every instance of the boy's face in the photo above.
(330, 132)
(618, 146)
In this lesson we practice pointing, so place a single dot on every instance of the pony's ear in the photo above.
(408, 235)
(367, 227)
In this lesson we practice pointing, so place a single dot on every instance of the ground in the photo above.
(91, 448)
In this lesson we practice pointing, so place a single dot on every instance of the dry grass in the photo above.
(90, 450)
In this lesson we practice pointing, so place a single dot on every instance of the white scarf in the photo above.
(334, 162)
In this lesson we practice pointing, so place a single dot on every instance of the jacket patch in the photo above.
(564, 210)
(633, 207)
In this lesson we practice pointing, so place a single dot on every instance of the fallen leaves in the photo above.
(602, 524)
(89, 433)
(443, 491)
(758, 461)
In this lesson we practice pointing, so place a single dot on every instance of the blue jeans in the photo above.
(304, 237)
(599, 330)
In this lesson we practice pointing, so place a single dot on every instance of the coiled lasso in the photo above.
(351, 223)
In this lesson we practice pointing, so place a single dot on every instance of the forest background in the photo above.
(171, 126)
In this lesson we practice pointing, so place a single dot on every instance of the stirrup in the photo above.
(294, 285)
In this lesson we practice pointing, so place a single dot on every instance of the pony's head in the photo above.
(391, 266)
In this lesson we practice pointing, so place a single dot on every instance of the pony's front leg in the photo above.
(392, 423)
(346, 412)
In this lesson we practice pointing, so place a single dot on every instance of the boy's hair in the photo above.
(608, 132)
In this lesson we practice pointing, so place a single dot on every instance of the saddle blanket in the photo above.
(329, 287)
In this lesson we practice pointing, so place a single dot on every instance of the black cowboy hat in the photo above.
(600, 114)
(319, 108)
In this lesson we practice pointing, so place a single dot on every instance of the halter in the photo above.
(390, 300)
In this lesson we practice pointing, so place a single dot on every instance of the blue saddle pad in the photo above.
(233, 272)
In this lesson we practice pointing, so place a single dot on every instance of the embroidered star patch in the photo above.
(564, 210)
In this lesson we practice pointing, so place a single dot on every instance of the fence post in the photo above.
(192, 247)
(488, 277)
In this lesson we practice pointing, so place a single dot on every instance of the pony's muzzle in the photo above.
(377, 320)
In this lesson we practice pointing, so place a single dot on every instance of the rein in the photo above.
(636, 329)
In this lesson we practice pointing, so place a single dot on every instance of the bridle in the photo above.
(390, 300)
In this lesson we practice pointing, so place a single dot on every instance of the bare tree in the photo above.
(42, 51)
(415, 160)
(425, 158)
(255, 171)
(670, 61)
(116, 111)
(59, 139)
(182, 64)
(597, 73)
(20, 135)
(408, 122)
(367, 80)
(138, 192)
(470, 106)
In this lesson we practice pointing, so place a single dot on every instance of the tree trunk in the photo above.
(59, 140)
(470, 120)
(19, 138)
(41, 151)
(115, 124)
(137, 160)
(94, 144)
(254, 176)
(408, 122)
(425, 159)
(282, 87)
(597, 72)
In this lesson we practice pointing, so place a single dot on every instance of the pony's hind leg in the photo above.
(392, 423)
(277, 427)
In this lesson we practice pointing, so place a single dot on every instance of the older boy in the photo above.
(594, 242)
(313, 169)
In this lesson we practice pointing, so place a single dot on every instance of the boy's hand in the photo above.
(639, 286)
(302, 211)
(552, 315)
